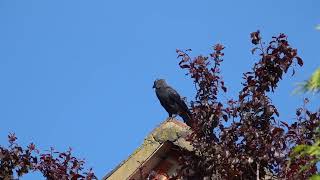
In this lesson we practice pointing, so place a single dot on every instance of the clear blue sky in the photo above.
(80, 73)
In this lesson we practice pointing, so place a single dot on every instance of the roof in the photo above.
(159, 141)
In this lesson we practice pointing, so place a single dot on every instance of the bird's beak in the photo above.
(153, 86)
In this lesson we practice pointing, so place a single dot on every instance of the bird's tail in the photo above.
(186, 118)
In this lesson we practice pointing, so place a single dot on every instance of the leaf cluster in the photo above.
(244, 138)
(15, 161)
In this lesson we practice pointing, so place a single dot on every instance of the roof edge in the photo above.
(170, 130)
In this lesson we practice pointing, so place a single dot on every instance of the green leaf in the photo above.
(311, 85)
(315, 177)
(298, 149)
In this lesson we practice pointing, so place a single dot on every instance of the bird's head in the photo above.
(159, 83)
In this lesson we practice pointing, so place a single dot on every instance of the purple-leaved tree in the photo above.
(255, 143)
(15, 161)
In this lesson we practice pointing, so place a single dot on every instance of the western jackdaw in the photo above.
(171, 100)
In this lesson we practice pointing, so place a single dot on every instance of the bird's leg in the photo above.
(171, 116)
(174, 116)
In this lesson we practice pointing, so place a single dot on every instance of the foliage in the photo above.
(312, 84)
(308, 150)
(17, 161)
(244, 138)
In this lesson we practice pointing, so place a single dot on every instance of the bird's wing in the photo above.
(181, 107)
(174, 96)
(165, 101)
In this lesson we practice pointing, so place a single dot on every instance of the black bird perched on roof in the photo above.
(171, 100)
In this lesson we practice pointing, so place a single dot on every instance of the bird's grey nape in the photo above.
(158, 83)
